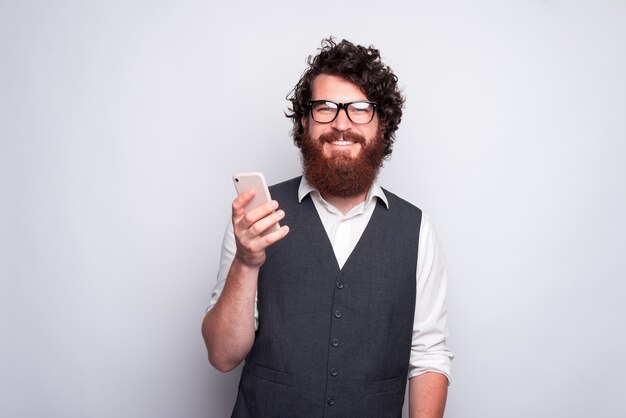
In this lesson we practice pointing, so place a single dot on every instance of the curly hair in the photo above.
(361, 66)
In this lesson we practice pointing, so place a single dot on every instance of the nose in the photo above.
(342, 122)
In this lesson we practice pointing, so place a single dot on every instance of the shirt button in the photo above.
(340, 285)
(335, 342)
(333, 372)
(338, 314)
(331, 401)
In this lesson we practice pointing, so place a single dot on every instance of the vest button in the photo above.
(340, 285)
(335, 342)
(331, 401)
(338, 314)
(333, 372)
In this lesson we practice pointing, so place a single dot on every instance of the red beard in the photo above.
(341, 175)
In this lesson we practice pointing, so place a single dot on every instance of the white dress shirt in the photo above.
(428, 350)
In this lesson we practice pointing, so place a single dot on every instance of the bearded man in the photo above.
(337, 308)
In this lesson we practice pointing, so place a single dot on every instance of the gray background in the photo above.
(121, 123)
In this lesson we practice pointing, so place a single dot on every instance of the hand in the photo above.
(249, 226)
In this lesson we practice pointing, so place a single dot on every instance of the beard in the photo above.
(340, 174)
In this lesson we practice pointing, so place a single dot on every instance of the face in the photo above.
(339, 90)
(340, 158)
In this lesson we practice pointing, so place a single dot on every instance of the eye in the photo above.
(360, 107)
(325, 107)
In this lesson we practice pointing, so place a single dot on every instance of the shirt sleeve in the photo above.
(229, 247)
(429, 351)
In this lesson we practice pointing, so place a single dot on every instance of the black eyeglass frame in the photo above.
(343, 106)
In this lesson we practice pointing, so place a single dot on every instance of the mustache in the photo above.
(341, 136)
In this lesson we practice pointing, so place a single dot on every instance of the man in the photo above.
(333, 311)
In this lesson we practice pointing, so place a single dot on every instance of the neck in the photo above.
(345, 204)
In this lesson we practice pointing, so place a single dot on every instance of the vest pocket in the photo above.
(271, 375)
(385, 385)
(384, 398)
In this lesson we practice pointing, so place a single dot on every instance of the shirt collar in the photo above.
(374, 191)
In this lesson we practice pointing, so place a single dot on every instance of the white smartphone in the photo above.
(246, 181)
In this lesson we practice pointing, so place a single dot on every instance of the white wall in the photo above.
(122, 121)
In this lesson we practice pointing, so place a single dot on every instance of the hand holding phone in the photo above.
(246, 181)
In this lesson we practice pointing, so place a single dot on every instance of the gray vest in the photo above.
(333, 342)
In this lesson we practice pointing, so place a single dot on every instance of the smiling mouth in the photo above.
(342, 143)
(341, 139)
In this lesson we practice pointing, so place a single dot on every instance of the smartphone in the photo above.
(246, 181)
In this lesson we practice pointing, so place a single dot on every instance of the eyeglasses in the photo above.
(325, 111)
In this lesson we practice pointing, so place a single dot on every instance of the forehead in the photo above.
(336, 89)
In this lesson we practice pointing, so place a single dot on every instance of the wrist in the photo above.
(245, 265)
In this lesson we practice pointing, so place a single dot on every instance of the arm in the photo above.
(427, 395)
(429, 370)
(228, 327)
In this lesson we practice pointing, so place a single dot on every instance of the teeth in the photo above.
(342, 143)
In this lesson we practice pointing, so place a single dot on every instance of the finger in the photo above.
(265, 223)
(262, 242)
(242, 200)
(275, 236)
(254, 215)
(239, 205)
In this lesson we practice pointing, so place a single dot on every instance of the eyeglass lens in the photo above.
(358, 112)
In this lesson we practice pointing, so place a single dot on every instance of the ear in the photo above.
(304, 120)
